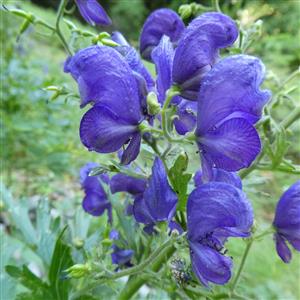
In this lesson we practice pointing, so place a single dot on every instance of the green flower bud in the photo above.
(153, 104)
(78, 270)
(78, 243)
(185, 11)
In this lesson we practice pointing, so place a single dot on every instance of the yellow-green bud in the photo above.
(153, 104)
(185, 11)
(78, 270)
(78, 242)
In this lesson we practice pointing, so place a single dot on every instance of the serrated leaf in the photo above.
(179, 179)
(61, 260)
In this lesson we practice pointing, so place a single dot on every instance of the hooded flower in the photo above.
(287, 222)
(229, 103)
(160, 22)
(93, 12)
(215, 211)
(154, 199)
(106, 79)
(187, 117)
(219, 175)
(163, 56)
(119, 256)
(95, 201)
(143, 78)
(198, 48)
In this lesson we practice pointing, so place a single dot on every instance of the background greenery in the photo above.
(41, 152)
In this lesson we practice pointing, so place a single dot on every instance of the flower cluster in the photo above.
(218, 99)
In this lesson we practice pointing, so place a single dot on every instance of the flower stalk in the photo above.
(60, 14)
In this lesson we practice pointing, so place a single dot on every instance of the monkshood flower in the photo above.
(215, 212)
(187, 117)
(93, 12)
(219, 175)
(119, 256)
(287, 222)
(155, 201)
(143, 78)
(198, 48)
(105, 79)
(160, 22)
(230, 102)
(162, 57)
(95, 201)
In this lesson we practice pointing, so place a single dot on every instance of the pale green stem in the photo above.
(173, 91)
(139, 268)
(216, 6)
(60, 14)
(241, 267)
(245, 255)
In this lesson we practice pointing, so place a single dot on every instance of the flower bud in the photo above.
(78, 270)
(78, 243)
(185, 11)
(153, 104)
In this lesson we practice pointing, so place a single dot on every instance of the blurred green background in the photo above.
(40, 148)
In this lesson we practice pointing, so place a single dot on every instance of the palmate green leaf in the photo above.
(24, 276)
(61, 260)
(19, 214)
(179, 179)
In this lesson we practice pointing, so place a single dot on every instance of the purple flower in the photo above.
(93, 12)
(119, 256)
(160, 22)
(106, 79)
(187, 117)
(163, 56)
(158, 202)
(287, 222)
(125, 183)
(198, 49)
(143, 78)
(215, 211)
(229, 103)
(95, 201)
(154, 199)
(219, 175)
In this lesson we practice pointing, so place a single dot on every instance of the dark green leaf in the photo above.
(13, 271)
(61, 260)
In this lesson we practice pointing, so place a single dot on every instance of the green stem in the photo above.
(264, 233)
(60, 14)
(139, 268)
(215, 5)
(173, 91)
(241, 267)
(290, 77)
(291, 118)
(134, 283)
